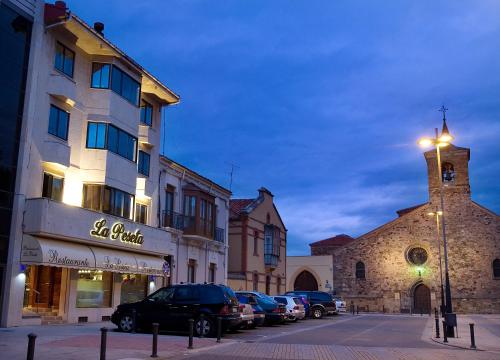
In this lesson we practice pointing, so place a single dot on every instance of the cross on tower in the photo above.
(443, 110)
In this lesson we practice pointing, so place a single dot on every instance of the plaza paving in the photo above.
(369, 336)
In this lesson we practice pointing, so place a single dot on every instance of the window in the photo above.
(255, 281)
(96, 135)
(496, 268)
(52, 187)
(134, 288)
(448, 172)
(271, 245)
(65, 59)
(94, 289)
(58, 122)
(143, 163)
(211, 273)
(191, 271)
(141, 213)
(256, 243)
(146, 113)
(125, 86)
(360, 270)
(100, 75)
(107, 136)
(164, 295)
(108, 200)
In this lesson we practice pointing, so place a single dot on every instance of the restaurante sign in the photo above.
(117, 231)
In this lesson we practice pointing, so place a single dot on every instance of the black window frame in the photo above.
(125, 75)
(360, 270)
(115, 149)
(65, 48)
(59, 111)
(107, 201)
(143, 216)
(142, 155)
(145, 105)
(100, 77)
(496, 268)
(48, 186)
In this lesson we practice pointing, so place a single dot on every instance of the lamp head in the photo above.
(425, 142)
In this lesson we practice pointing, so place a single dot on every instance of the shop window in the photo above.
(211, 273)
(53, 187)
(94, 289)
(65, 59)
(100, 75)
(125, 86)
(191, 278)
(58, 122)
(134, 288)
(143, 163)
(141, 213)
(360, 270)
(496, 268)
(146, 113)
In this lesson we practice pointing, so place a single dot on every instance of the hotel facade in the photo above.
(98, 216)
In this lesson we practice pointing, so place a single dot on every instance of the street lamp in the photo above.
(437, 214)
(439, 142)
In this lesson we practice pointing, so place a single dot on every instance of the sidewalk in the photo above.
(62, 342)
(486, 331)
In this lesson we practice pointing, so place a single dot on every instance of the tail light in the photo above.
(282, 310)
(276, 310)
(225, 310)
(241, 307)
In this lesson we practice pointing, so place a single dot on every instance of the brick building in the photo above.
(257, 245)
(395, 267)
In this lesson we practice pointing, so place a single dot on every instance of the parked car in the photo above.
(305, 302)
(259, 315)
(340, 304)
(171, 307)
(247, 316)
(294, 308)
(275, 314)
(320, 302)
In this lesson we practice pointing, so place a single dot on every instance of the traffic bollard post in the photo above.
(104, 335)
(437, 328)
(219, 328)
(31, 346)
(357, 309)
(472, 338)
(154, 353)
(445, 336)
(191, 328)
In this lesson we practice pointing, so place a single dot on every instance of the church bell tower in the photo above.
(454, 170)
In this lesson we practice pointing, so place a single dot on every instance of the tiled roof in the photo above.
(338, 240)
(407, 210)
(237, 205)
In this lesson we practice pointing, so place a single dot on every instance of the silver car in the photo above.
(294, 307)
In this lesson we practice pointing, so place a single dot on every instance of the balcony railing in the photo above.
(219, 234)
(173, 220)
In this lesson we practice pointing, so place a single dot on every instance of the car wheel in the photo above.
(126, 323)
(203, 327)
(317, 313)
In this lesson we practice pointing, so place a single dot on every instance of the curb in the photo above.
(456, 346)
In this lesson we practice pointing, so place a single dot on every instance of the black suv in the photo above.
(173, 306)
(320, 302)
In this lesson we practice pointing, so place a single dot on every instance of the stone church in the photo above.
(395, 267)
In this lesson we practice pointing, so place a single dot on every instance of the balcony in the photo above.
(192, 226)
(270, 260)
(172, 220)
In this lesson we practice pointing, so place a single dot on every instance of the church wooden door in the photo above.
(305, 281)
(422, 299)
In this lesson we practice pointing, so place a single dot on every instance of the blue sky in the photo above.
(320, 101)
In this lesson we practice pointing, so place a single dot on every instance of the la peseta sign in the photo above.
(116, 232)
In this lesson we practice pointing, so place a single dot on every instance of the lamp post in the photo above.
(439, 142)
(437, 214)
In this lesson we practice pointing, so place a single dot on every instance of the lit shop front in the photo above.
(81, 280)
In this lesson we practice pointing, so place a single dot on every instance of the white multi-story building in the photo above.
(99, 218)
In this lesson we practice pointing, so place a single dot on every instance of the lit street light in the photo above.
(439, 142)
(437, 214)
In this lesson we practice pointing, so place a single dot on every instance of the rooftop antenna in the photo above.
(233, 166)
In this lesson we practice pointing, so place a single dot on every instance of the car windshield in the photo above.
(281, 300)
(267, 298)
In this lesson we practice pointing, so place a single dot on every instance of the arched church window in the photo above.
(448, 172)
(496, 268)
(360, 270)
(417, 256)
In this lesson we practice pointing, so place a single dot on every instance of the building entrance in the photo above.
(42, 289)
(422, 299)
(305, 281)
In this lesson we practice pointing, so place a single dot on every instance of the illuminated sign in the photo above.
(116, 232)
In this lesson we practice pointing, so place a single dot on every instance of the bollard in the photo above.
(357, 309)
(31, 346)
(104, 331)
(191, 326)
(472, 338)
(202, 325)
(383, 309)
(436, 315)
(445, 336)
(437, 327)
(219, 328)
(134, 314)
(155, 340)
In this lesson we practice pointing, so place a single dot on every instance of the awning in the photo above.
(114, 260)
(48, 252)
(56, 253)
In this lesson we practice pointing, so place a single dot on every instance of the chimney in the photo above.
(99, 27)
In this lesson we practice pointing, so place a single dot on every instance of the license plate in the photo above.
(235, 310)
